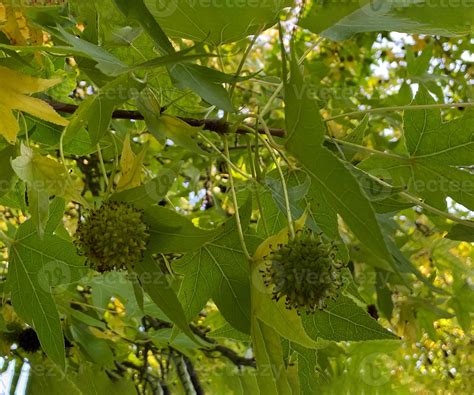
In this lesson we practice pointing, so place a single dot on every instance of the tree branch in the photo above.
(214, 125)
(226, 352)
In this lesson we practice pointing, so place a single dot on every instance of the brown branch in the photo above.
(213, 125)
(228, 353)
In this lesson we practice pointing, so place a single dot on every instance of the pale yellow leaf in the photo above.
(45, 174)
(23, 83)
(37, 108)
(13, 89)
(8, 124)
(131, 166)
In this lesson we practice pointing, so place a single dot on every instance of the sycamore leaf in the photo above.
(272, 375)
(131, 165)
(35, 267)
(218, 270)
(44, 177)
(436, 156)
(44, 173)
(15, 88)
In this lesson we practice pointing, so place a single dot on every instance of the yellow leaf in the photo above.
(131, 166)
(14, 87)
(8, 124)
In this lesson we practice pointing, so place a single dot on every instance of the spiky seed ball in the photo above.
(305, 272)
(28, 340)
(113, 236)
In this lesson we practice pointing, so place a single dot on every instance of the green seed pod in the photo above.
(113, 236)
(305, 272)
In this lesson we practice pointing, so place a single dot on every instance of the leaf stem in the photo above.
(227, 159)
(255, 179)
(364, 149)
(282, 84)
(102, 165)
(243, 60)
(236, 205)
(6, 239)
(424, 205)
(291, 227)
(400, 108)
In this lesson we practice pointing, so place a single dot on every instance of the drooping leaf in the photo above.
(44, 177)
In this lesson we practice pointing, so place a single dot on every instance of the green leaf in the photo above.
(332, 185)
(35, 267)
(138, 12)
(6, 172)
(343, 320)
(97, 350)
(159, 288)
(170, 232)
(164, 126)
(436, 153)
(461, 233)
(96, 110)
(153, 191)
(339, 21)
(271, 371)
(112, 66)
(106, 62)
(191, 77)
(44, 377)
(218, 270)
(215, 22)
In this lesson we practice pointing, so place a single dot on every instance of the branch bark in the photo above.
(214, 125)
